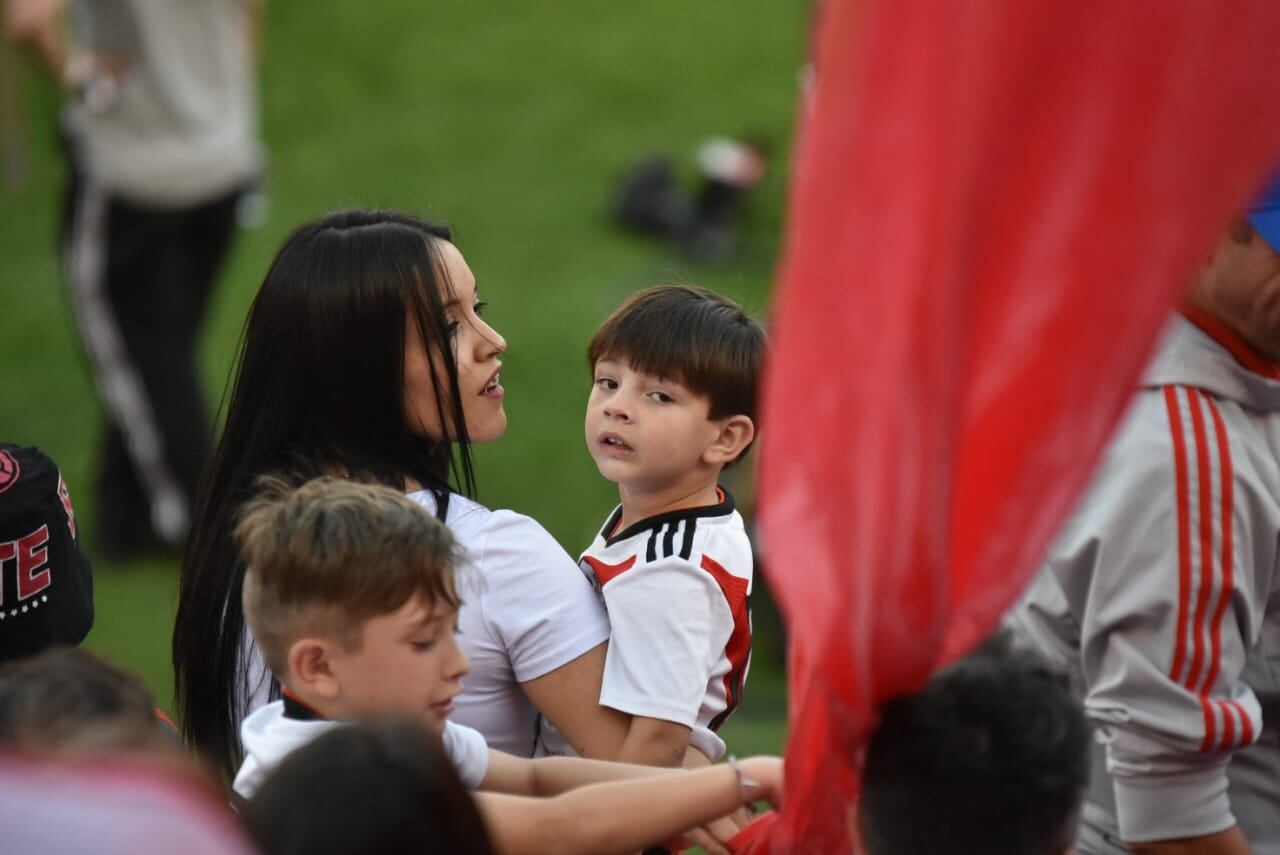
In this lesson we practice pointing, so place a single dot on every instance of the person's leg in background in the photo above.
(140, 281)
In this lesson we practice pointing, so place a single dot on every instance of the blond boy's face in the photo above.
(646, 433)
(409, 665)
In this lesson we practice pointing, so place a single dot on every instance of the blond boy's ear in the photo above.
(736, 433)
(311, 667)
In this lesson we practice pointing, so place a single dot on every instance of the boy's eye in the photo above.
(661, 397)
(424, 645)
(606, 383)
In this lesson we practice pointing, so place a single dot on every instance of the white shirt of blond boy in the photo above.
(274, 731)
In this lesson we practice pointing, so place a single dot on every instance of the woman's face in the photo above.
(476, 347)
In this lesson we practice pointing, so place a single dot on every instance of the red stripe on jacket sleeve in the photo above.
(1226, 481)
(1204, 483)
(1184, 536)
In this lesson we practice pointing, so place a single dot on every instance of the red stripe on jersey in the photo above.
(738, 650)
(1184, 536)
(1227, 484)
(606, 573)
(1204, 483)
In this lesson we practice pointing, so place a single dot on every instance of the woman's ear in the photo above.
(735, 434)
(311, 668)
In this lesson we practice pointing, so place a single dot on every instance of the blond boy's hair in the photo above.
(325, 557)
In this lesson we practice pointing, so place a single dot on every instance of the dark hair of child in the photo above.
(989, 758)
(691, 335)
(366, 790)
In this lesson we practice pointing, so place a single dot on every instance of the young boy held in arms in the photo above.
(351, 597)
(672, 404)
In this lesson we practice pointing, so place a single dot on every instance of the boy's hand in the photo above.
(767, 779)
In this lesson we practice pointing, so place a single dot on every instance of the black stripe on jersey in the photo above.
(669, 540)
(651, 551)
(655, 523)
(686, 548)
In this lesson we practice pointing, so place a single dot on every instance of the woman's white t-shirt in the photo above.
(526, 611)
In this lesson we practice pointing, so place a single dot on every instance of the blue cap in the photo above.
(1264, 213)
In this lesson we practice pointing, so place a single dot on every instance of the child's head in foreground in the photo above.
(673, 396)
(989, 758)
(68, 700)
(350, 594)
(370, 788)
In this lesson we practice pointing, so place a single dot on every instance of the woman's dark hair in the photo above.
(365, 790)
(319, 390)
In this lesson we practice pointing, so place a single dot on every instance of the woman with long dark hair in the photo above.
(365, 354)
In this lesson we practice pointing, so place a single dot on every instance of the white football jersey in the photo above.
(676, 587)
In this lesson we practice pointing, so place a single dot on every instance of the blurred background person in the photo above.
(87, 766)
(160, 134)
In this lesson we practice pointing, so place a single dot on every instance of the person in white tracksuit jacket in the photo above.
(1162, 595)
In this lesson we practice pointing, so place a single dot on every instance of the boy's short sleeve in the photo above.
(536, 599)
(467, 751)
(670, 626)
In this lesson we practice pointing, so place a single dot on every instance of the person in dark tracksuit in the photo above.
(161, 137)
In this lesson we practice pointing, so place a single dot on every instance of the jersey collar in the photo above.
(722, 508)
(297, 709)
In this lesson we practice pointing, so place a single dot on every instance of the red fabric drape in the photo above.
(994, 207)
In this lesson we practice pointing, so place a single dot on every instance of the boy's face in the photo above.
(409, 665)
(647, 433)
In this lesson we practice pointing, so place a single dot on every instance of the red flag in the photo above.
(994, 207)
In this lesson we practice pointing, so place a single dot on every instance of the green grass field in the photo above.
(510, 121)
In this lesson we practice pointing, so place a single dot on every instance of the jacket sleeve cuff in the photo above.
(1190, 803)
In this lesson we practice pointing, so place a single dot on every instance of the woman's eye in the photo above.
(453, 328)
(479, 308)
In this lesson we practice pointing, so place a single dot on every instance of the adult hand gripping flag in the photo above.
(994, 207)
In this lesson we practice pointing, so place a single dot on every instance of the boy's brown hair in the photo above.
(324, 557)
(692, 335)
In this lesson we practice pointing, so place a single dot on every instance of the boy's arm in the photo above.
(655, 742)
(657, 808)
(551, 776)
(1229, 842)
(670, 625)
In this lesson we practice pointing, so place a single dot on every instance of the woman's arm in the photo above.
(626, 816)
(569, 697)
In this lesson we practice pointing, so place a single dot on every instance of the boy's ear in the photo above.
(311, 667)
(736, 433)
